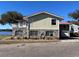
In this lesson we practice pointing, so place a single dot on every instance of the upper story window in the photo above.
(53, 21)
(22, 23)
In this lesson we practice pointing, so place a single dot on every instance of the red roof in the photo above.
(64, 23)
(74, 22)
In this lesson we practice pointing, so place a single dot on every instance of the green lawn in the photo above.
(4, 36)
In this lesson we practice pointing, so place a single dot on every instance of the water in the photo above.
(5, 33)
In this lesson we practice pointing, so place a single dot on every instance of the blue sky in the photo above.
(61, 8)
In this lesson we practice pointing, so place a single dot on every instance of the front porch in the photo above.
(37, 34)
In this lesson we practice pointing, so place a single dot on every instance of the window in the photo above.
(49, 33)
(19, 32)
(33, 33)
(42, 33)
(22, 23)
(53, 21)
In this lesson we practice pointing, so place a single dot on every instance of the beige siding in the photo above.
(44, 24)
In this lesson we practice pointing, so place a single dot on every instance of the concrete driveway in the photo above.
(50, 49)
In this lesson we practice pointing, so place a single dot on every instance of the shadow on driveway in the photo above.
(69, 38)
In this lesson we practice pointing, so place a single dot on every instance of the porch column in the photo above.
(28, 31)
(13, 32)
(27, 27)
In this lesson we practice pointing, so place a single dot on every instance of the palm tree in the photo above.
(75, 15)
(10, 17)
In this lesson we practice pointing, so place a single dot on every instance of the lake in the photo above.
(5, 33)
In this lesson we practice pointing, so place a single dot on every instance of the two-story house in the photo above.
(39, 25)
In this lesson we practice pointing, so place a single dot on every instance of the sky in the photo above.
(60, 8)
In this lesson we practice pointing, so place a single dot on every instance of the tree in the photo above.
(10, 17)
(75, 15)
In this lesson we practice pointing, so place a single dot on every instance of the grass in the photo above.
(6, 40)
(2, 37)
(26, 41)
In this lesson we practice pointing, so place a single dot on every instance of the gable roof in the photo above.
(60, 18)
